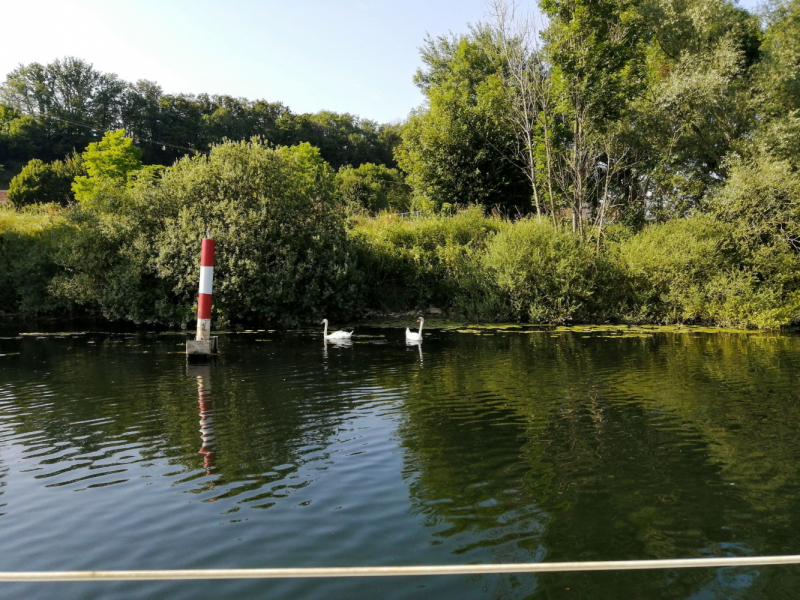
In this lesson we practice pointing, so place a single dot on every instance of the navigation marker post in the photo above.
(204, 344)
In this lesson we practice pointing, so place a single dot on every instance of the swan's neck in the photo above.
(325, 333)
(421, 323)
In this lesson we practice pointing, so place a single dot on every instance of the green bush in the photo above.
(476, 266)
(282, 250)
(41, 182)
(665, 268)
(373, 188)
(433, 259)
(107, 265)
(29, 240)
(544, 275)
(698, 270)
(760, 202)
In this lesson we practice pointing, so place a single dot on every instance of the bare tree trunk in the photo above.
(602, 216)
(548, 148)
(577, 175)
(532, 177)
(516, 40)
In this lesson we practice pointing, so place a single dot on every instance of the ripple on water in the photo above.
(468, 449)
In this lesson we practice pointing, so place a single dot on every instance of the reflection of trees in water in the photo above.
(597, 448)
(101, 397)
(519, 447)
(6, 396)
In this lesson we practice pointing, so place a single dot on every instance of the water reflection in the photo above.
(506, 447)
(581, 449)
(6, 397)
(335, 344)
(203, 375)
(418, 344)
(3, 472)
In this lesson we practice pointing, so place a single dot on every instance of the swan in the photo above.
(415, 337)
(336, 335)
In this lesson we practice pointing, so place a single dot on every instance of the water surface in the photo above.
(511, 446)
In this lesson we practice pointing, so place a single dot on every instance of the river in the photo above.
(479, 446)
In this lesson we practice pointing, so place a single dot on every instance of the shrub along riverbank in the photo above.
(288, 252)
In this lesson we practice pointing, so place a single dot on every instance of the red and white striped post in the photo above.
(206, 290)
(203, 342)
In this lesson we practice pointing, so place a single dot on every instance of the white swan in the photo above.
(336, 335)
(415, 337)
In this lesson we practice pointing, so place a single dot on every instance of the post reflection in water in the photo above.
(203, 375)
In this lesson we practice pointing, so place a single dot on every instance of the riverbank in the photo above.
(291, 255)
(55, 327)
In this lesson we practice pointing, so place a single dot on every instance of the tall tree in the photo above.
(459, 148)
(698, 101)
(596, 50)
(108, 162)
(528, 93)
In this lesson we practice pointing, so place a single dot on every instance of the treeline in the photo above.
(49, 111)
(634, 160)
(631, 110)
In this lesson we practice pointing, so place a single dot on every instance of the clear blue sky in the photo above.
(356, 56)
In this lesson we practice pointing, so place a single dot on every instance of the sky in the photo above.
(356, 56)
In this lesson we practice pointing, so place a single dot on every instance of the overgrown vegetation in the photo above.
(634, 161)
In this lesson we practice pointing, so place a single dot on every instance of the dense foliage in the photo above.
(454, 148)
(282, 247)
(41, 182)
(47, 111)
(29, 241)
(639, 161)
(373, 188)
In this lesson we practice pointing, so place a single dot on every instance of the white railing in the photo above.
(539, 567)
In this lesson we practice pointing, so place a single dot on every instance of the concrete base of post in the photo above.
(202, 347)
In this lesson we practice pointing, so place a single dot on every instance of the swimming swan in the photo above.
(336, 335)
(415, 337)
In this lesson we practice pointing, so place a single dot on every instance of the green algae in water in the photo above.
(651, 329)
(55, 334)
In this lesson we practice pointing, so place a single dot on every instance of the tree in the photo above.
(529, 95)
(698, 104)
(459, 148)
(69, 98)
(778, 75)
(597, 54)
(343, 139)
(64, 105)
(108, 162)
(41, 182)
(375, 188)
(282, 249)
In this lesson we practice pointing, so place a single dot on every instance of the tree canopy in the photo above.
(47, 111)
